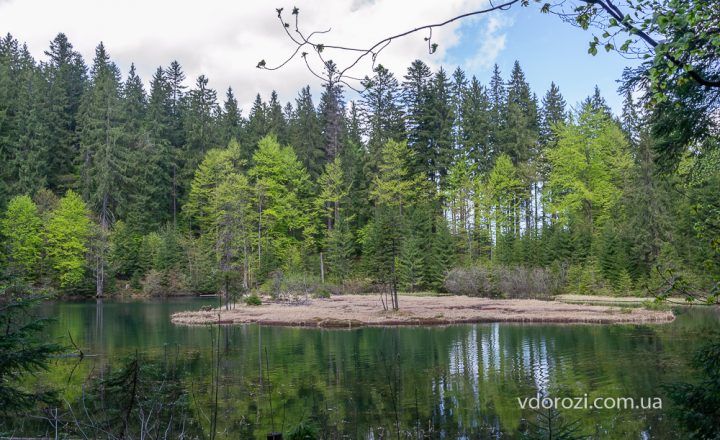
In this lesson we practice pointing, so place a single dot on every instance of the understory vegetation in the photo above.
(431, 182)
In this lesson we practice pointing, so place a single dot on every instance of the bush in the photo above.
(506, 281)
(356, 286)
(253, 300)
(471, 281)
(293, 287)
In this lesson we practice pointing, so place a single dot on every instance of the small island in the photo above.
(352, 311)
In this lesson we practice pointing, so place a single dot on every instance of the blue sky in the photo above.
(548, 50)
(227, 40)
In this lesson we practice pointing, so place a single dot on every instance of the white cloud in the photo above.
(490, 42)
(225, 40)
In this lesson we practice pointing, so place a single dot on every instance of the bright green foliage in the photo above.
(588, 165)
(67, 234)
(394, 185)
(282, 191)
(233, 224)
(417, 177)
(213, 170)
(21, 231)
(333, 192)
(340, 248)
(505, 191)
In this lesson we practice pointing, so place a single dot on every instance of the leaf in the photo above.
(592, 50)
(261, 64)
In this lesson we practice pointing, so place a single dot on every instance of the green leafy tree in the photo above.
(21, 229)
(588, 165)
(233, 223)
(284, 207)
(67, 234)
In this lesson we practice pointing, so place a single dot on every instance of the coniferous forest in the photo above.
(428, 181)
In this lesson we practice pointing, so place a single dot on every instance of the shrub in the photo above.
(471, 281)
(507, 281)
(253, 300)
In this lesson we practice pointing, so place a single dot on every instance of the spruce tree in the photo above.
(104, 157)
(257, 128)
(441, 123)
(416, 101)
(382, 114)
(306, 135)
(66, 74)
(276, 121)
(331, 113)
(230, 120)
(475, 129)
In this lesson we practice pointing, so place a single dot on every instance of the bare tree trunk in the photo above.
(322, 269)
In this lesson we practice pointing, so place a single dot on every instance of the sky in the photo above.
(224, 40)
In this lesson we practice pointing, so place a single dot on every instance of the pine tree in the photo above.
(306, 135)
(30, 158)
(381, 112)
(257, 128)
(135, 138)
(101, 130)
(475, 130)
(553, 114)
(176, 79)
(199, 120)
(105, 157)
(230, 120)
(415, 98)
(331, 113)
(66, 74)
(156, 192)
(441, 123)
(498, 99)
(276, 121)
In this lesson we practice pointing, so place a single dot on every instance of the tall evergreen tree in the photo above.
(416, 101)
(66, 74)
(306, 135)
(382, 114)
(230, 119)
(475, 130)
(257, 128)
(331, 113)
(276, 122)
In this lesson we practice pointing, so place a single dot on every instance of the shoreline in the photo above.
(354, 311)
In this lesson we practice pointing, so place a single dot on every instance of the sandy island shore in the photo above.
(349, 311)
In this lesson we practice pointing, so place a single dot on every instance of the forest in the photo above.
(428, 181)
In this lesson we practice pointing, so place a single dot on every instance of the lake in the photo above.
(455, 382)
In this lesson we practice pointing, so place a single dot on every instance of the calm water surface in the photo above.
(456, 382)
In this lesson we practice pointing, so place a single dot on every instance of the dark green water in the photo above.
(458, 382)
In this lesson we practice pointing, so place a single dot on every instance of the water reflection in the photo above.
(450, 382)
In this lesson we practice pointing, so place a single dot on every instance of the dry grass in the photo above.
(605, 300)
(366, 310)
